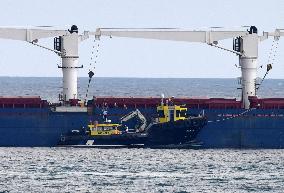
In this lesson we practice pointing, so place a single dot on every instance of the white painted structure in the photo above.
(67, 49)
(66, 46)
(248, 64)
(247, 49)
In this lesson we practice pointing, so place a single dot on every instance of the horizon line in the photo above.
(134, 77)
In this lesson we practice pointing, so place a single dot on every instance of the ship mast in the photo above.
(245, 47)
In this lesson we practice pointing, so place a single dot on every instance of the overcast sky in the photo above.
(123, 57)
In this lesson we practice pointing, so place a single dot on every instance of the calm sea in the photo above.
(49, 88)
(139, 170)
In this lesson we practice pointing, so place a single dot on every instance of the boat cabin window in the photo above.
(183, 113)
(106, 128)
(161, 114)
(177, 113)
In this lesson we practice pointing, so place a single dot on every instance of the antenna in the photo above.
(162, 100)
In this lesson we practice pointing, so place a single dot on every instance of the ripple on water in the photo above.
(140, 170)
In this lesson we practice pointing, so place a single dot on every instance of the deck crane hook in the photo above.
(91, 74)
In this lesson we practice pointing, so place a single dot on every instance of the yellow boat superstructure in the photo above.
(168, 113)
(104, 129)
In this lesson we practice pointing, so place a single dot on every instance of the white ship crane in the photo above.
(65, 45)
(245, 46)
(276, 34)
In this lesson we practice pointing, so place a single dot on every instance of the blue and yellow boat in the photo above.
(171, 128)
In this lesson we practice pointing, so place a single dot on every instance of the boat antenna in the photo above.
(162, 99)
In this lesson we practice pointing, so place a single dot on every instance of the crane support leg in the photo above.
(249, 69)
(69, 69)
(68, 46)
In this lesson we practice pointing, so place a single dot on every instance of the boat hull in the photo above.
(158, 135)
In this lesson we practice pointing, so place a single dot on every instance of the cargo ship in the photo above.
(250, 122)
(31, 121)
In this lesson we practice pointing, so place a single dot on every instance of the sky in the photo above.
(125, 57)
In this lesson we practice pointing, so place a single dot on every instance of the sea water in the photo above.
(139, 170)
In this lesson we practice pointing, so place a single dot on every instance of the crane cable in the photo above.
(93, 62)
(232, 117)
(271, 60)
